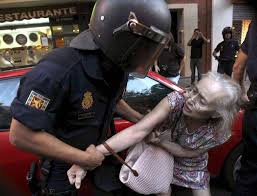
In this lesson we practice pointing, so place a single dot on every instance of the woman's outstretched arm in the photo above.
(125, 138)
(139, 131)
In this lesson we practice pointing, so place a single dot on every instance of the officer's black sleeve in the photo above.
(180, 52)
(38, 100)
(237, 45)
(217, 49)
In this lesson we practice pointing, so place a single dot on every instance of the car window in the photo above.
(143, 94)
(8, 90)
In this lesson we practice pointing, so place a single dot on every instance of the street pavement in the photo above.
(184, 82)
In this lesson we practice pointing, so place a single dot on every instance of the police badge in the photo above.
(37, 101)
(87, 101)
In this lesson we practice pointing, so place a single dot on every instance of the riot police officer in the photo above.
(65, 104)
(228, 49)
(246, 178)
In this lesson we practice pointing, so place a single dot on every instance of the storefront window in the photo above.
(65, 29)
(29, 33)
(63, 34)
(24, 43)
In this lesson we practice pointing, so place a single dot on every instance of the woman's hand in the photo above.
(157, 68)
(76, 174)
(153, 137)
(244, 98)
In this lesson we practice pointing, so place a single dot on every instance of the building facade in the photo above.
(51, 26)
(210, 16)
(234, 13)
(186, 16)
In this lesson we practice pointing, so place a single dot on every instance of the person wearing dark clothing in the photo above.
(171, 62)
(65, 105)
(196, 42)
(228, 50)
(246, 182)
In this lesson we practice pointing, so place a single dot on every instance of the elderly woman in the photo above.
(202, 118)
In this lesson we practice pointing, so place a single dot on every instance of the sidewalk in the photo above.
(184, 81)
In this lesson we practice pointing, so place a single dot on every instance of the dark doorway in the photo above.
(174, 24)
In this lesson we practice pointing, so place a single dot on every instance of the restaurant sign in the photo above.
(37, 13)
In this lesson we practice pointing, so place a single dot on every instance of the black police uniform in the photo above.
(169, 61)
(71, 94)
(228, 50)
(246, 184)
(196, 58)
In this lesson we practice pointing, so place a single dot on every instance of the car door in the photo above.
(14, 162)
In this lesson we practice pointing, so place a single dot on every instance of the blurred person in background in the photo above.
(196, 42)
(227, 50)
(171, 61)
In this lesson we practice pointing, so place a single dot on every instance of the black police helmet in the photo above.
(227, 30)
(132, 33)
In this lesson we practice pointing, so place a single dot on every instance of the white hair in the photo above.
(227, 106)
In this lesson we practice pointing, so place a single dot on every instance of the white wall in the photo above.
(222, 16)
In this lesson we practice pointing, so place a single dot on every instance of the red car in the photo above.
(223, 160)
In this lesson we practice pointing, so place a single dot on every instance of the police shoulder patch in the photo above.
(37, 101)
(87, 101)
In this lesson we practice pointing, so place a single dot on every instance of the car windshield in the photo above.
(143, 94)
(8, 90)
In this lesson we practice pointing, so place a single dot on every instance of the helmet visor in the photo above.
(141, 45)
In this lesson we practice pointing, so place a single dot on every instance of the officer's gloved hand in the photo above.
(94, 158)
(76, 174)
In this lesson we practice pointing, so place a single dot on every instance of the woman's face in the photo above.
(200, 101)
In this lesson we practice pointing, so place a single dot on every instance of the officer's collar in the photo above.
(84, 41)
(98, 66)
(92, 64)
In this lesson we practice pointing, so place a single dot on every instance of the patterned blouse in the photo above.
(190, 172)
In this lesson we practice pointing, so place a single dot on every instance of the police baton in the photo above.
(135, 173)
